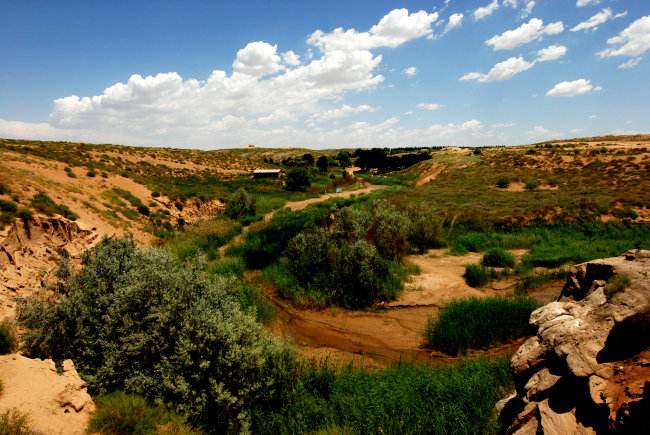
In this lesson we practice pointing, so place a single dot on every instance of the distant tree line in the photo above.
(382, 160)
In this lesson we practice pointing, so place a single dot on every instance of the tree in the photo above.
(308, 158)
(297, 180)
(138, 321)
(344, 158)
(240, 203)
(322, 163)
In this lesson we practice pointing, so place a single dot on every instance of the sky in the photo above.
(287, 73)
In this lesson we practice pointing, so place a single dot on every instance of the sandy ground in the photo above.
(392, 332)
(430, 174)
(56, 404)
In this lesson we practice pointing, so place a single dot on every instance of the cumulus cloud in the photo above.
(429, 106)
(528, 9)
(595, 21)
(501, 71)
(257, 59)
(486, 11)
(583, 3)
(454, 21)
(271, 97)
(632, 42)
(552, 52)
(572, 88)
(515, 65)
(533, 30)
(410, 71)
(630, 63)
(394, 29)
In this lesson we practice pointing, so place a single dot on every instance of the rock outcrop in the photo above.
(587, 370)
(30, 251)
(55, 402)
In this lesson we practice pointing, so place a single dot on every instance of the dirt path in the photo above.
(430, 175)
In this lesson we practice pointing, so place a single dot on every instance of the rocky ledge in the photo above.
(587, 370)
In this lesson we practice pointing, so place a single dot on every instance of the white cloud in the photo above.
(552, 52)
(290, 58)
(257, 59)
(394, 29)
(630, 63)
(583, 3)
(501, 71)
(572, 89)
(429, 106)
(511, 3)
(343, 111)
(533, 30)
(410, 71)
(528, 9)
(595, 21)
(271, 98)
(632, 42)
(540, 132)
(455, 20)
(486, 11)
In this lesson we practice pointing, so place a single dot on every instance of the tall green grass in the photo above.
(477, 323)
(404, 399)
(203, 237)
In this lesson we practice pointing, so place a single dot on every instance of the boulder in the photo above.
(587, 369)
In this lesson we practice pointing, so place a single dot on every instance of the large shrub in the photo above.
(297, 179)
(137, 321)
(240, 204)
(476, 323)
(476, 275)
(425, 230)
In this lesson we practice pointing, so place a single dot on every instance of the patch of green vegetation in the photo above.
(404, 399)
(138, 321)
(478, 323)
(127, 414)
(503, 182)
(476, 275)
(617, 284)
(497, 257)
(536, 280)
(241, 205)
(205, 237)
(46, 205)
(8, 337)
(4, 189)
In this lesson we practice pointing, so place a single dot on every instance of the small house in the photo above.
(267, 173)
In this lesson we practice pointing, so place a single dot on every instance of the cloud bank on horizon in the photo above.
(343, 89)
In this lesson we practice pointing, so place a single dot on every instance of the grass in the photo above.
(205, 237)
(14, 422)
(536, 280)
(478, 323)
(123, 414)
(497, 257)
(8, 338)
(46, 205)
(616, 284)
(476, 275)
(403, 399)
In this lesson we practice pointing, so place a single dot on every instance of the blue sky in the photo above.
(323, 74)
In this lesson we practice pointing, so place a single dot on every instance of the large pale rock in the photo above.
(591, 355)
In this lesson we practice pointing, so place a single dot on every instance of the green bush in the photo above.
(426, 231)
(322, 164)
(125, 414)
(14, 422)
(497, 257)
(137, 321)
(532, 184)
(404, 399)
(46, 205)
(297, 179)
(240, 204)
(503, 183)
(4, 189)
(91, 173)
(476, 275)
(8, 206)
(205, 237)
(8, 338)
(144, 210)
(477, 323)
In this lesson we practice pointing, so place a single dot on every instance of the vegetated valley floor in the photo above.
(154, 194)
